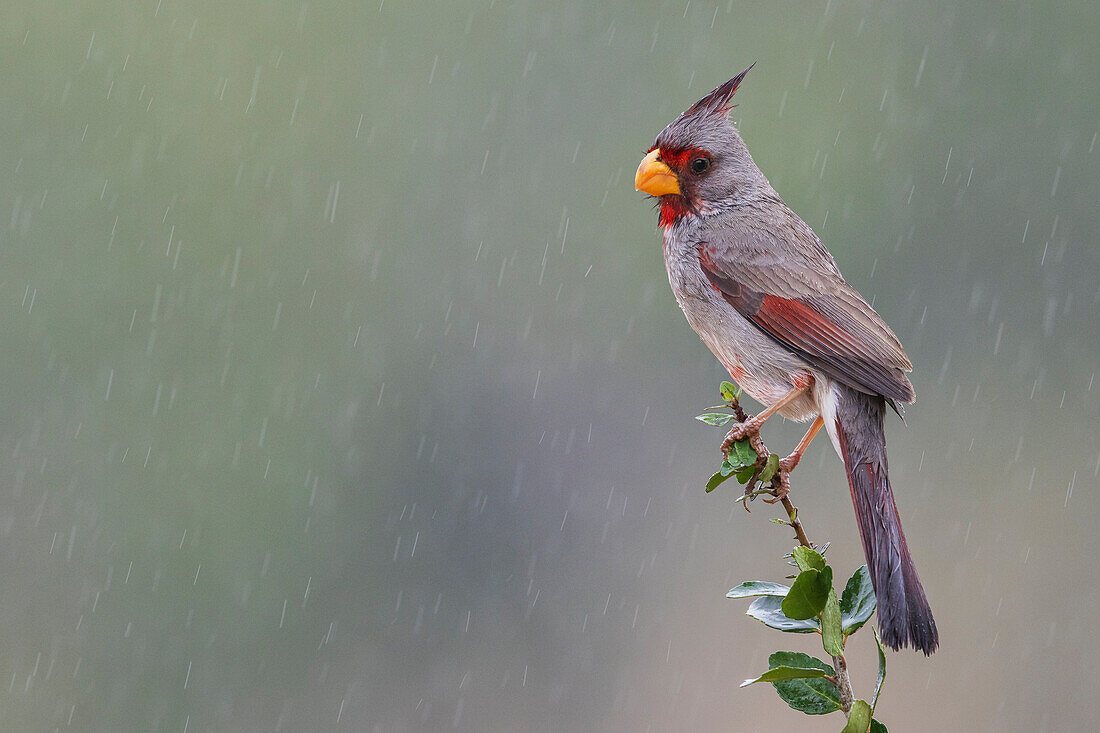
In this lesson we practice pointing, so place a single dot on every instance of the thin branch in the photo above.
(843, 684)
(842, 681)
(792, 512)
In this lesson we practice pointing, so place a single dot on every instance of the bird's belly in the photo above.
(764, 369)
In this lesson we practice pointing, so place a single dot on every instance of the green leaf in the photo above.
(776, 674)
(832, 638)
(810, 696)
(859, 718)
(738, 460)
(857, 603)
(767, 610)
(715, 480)
(745, 453)
(808, 594)
(877, 727)
(728, 392)
(751, 588)
(717, 419)
(727, 468)
(881, 670)
(745, 474)
(770, 467)
(806, 558)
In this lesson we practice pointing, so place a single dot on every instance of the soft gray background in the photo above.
(342, 388)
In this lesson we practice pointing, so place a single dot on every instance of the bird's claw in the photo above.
(781, 484)
(762, 451)
(750, 494)
(748, 429)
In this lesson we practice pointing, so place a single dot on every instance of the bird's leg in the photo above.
(762, 454)
(751, 427)
(786, 465)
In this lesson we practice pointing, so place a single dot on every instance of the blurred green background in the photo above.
(343, 388)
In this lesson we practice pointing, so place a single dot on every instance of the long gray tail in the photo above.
(903, 614)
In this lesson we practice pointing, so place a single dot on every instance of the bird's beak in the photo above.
(654, 177)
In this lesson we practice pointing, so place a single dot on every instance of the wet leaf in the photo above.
(768, 611)
(832, 638)
(881, 670)
(770, 467)
(776, 674)
(717, 419)
(807, 559)
(808, 594)
(715, 480)
(857, 603)
(751, 588)
(728, 392)
(745, 453)
(859, 718)
(810, 696)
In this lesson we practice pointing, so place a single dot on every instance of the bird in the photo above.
(766, 296)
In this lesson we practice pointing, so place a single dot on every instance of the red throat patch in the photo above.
(673, 208)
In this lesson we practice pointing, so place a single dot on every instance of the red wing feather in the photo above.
(821, 330)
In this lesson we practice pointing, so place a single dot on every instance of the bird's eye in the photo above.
(699, 165)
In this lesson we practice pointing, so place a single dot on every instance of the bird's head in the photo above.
(699, 162)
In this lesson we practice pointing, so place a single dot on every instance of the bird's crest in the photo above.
(720, 100)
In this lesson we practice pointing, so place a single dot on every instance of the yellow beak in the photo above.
(654, 177)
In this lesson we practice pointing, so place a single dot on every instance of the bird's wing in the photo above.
(802, 302)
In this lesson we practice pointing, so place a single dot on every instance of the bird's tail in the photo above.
(904, 616)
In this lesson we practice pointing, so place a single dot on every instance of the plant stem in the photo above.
(792, 513)
(842, 681)
(792, 510)
(843, 684)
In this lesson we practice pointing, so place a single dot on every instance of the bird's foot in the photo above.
(786, 465)
(781, 486)
(762, 453)
(748, 429)
(750, 494)
(781, 482)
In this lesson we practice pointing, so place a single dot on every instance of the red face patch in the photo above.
(673, 208)
(680, 160)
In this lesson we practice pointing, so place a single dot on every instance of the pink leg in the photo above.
(786, 465)
(751, 427)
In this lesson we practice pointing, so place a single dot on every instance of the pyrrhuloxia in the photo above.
(768, 299)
